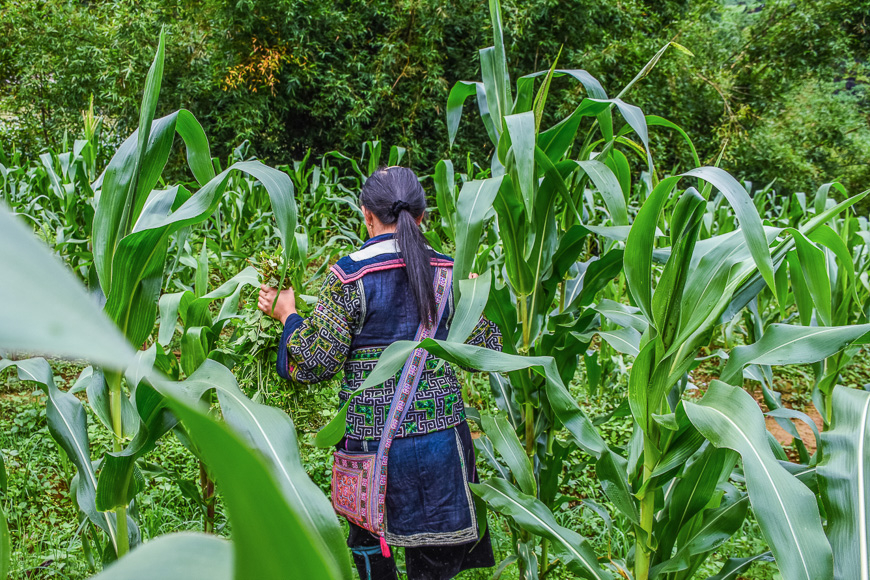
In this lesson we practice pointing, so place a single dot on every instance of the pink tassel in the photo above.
(385, 549)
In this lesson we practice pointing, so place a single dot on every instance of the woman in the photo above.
(370, 299)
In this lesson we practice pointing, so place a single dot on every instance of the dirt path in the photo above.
(804, 430)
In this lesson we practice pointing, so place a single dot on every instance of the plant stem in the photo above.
(114, 380)
(530, 429)
(207, 486)
(114, 383)
(123, 536)
(545, 544)
(647, 511)
(527, 327)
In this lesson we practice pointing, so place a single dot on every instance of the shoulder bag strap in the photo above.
(406, 388)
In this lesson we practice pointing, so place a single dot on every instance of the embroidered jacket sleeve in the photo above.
(486, 334)
(316, 347)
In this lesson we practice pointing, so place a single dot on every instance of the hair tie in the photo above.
(398, 207)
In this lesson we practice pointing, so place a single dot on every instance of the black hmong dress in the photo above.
(365, 305)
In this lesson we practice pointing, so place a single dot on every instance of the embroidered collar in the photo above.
(379, 253)
(379, 238)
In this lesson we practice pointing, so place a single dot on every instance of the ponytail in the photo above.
(395, 196)
(412, 246)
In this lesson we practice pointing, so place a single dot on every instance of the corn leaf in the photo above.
(844, 482)
(786, 509)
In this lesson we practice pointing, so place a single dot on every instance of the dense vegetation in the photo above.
(779, 86)
(682, 392)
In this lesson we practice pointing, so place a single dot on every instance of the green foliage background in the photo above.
(781, 85)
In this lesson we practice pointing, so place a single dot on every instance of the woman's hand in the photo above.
(285, 306)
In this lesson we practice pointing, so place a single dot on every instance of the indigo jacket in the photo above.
(366, 304)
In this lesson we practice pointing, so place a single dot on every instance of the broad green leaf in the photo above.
(179, 556)
(541, 97)
(594, 276)
(786, 510)
(68, 425)
(557, 140)
(262, 520)
(747, 215)
(820, 200)
(749, 289)
(814, 265)
(784, 344)
(502, 392)
(194, 348)
(694, 488)
(138, 262)
(715, 528)
(484, 448)
(475, 201)
(668, 296)
(483, 359)
(608, 186)
(501, 78)
(523, 136)
(514, 229)
(623, 340)
(532, 515)
(263, 523)
(505, 440)
(271, 431)
(655, 120)
(114, 213)
(501, 309)
(472, 301)
(640, 243)
(622, 314)
(458, 94)
(445, 196)
(31, 277)
(493, 91)
(844, 482)
(612, 472)
(115, 485)
(734, 567)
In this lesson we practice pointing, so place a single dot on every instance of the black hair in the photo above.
(395, 196)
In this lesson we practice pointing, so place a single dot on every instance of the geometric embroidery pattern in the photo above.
(320, 348)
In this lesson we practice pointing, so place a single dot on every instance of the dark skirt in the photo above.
(429, 509)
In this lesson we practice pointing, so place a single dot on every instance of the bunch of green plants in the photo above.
(251, 451)
(679, 478)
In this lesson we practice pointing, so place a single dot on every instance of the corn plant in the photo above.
(543, 207)
(253, 452)
(132, 227)
(56, 194)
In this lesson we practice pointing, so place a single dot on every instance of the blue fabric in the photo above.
(426, 494)
(292, 322)
(426, 489)
(391, 314)
(366, 552)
